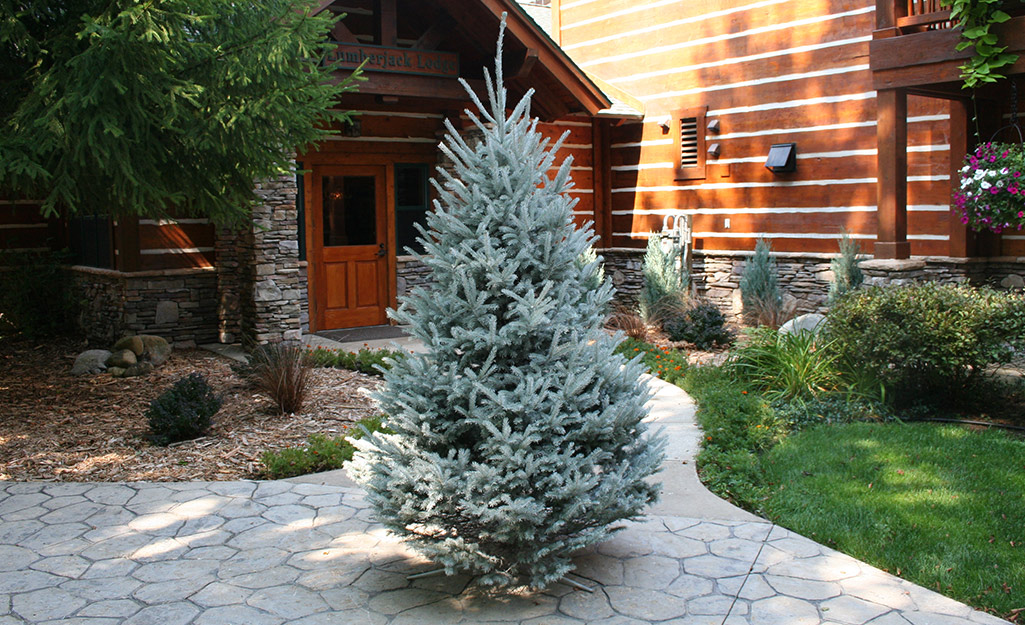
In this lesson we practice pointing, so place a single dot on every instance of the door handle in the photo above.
(381, 251)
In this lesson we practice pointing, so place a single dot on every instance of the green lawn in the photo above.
(942, 506)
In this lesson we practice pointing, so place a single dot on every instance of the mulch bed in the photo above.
(59, 427)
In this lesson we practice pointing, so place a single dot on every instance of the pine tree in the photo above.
(140, 108)
(665, 283)
(759, 288)
(517, 435)
(847, 275)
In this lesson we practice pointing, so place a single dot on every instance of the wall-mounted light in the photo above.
(782, 158)
(713, 150)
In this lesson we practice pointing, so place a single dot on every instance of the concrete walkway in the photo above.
(308, 553)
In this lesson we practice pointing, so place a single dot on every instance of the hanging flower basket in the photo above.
(992, 191)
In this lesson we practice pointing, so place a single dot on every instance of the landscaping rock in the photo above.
(122, 358)
(141, 368)
(133, 343)
(810, 322)
(155, 349)
(116, 372)
(90, 362)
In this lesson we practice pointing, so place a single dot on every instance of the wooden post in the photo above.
(962, 240)
(386, 23)
(892, 175)
(886, 18)
(602, 181)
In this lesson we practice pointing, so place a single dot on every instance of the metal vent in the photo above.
(688, 142)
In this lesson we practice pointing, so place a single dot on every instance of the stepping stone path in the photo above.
(268, 553)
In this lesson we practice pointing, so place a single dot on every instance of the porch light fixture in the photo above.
(782, 158)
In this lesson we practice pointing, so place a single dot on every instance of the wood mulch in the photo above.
(59, 427)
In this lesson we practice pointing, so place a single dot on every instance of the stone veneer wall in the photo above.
(272, 288)
(410, 273)
(179, 305)
(804, 278)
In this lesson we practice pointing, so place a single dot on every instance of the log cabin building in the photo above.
(790, 120)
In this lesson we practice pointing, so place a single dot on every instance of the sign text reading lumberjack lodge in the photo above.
(397, 60)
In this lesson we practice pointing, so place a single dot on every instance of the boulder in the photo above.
(141, 368)
(133, 343)
(116, 372)
(122, 358)
(155, 349)
(810, 322)
(90, 362)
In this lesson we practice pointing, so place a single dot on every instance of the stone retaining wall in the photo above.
(804, 278)
(179, 305)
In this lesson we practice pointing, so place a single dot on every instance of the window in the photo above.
(688, 128)
(412, 201)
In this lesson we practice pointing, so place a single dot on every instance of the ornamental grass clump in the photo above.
(992, 191)
(281, 371)
(518, 434)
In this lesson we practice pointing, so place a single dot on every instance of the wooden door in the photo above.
(349, 246)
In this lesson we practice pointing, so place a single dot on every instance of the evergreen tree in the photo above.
(138, 108)
(847, 275)
(517, 435)
(665, 281)
(759, 288)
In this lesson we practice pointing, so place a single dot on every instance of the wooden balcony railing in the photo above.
(912, 16)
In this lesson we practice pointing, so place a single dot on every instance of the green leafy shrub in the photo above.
(37, 296)
(321, 453)
(927, 343)
(759, 288)
(786, 366)
(847, 275)
(702, 324)
(283, 372)
(665, 282)
(370, 361)
(182, 412)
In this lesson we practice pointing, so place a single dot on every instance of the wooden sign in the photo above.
(396, 60)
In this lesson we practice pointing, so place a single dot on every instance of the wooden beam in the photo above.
(405, 85)
(602, 181)
(962, 241)
(385, 23)
(526, 64)
(341, 33)
(892, 175)
(433, 36)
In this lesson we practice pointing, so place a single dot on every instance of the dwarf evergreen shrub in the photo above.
(182, 412)
(518, 434)
(702, 324)
(759, 288)
(847, 275)
(665, 283)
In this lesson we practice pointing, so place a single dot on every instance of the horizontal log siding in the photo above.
(578, 146)
(23, 228)
(770, 72)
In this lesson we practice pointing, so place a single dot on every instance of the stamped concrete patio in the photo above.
(309, 552)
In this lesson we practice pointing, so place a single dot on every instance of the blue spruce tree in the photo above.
(517, 436)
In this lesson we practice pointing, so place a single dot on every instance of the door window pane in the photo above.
(350, 211)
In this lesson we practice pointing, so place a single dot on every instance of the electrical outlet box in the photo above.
(726, 223)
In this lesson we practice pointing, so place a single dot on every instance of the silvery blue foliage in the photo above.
(517, 436)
